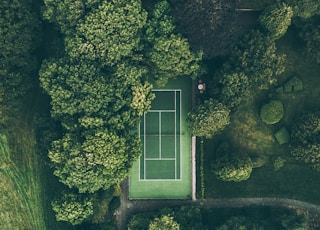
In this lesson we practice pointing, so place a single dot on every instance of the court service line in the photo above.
(160, 135)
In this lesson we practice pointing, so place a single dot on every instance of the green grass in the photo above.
(168, 188)
(248, 134)
(20, 202)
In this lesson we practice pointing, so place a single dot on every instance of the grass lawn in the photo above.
(247, 134)
(179, 189)
(26, 182)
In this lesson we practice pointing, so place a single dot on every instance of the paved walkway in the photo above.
(130, 207)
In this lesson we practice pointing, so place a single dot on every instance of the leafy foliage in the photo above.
(73, 208)
(210, 26)
(19, 37)
(256, 56)
(272, 112)
(276, 19)
(165, 222)
(100, 161)
(240, 222)
(235, 88)
(233, 167)
(304, 8)
(310, 33)
(208, 119)
(306, 139)
(108, 33)
(169, 53)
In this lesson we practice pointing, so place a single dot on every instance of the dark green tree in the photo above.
(232, 167)
(310, 33)
(305, 137)
(256, 56)
(20, 36)
(294, 221)
(102, 160)
(208, 119)
(108, 33)
(169, 53)
(165, 222)
(73, 208)
(240, 222)
(304, 8)
(235, 88)
(276, 19)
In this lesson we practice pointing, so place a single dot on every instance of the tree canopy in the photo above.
(73, 208)
(276, 19)
(208, 119)
(165, 222)
(305, 144)
(232, 167)
(20, 36)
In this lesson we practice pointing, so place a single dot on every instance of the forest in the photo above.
(77, 75)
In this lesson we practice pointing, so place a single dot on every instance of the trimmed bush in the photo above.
(272, 112)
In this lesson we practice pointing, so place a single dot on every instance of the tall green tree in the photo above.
(256, 56)
(276, 19)
(73, 208)
(304, 8)
(208, 119)
(108, 33)
(167, 51)
(20, 35)
(165, 222)
(100, 161)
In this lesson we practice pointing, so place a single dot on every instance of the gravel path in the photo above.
(129, 207)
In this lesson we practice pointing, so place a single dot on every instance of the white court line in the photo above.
(161, 111)
(175, 134)
(160, 135)
(144, 146)
(160, 159)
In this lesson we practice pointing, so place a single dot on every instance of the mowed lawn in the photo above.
(247, 134)
(171, 189)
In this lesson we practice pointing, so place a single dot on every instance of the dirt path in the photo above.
(130, 207)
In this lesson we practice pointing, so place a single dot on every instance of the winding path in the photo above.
(129, 207)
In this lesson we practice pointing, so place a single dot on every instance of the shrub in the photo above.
(272, 112)
(234, 168)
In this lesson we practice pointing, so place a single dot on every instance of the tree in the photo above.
(165, 222)
(232, 167)
(272, 112)
(240, 222)
(108, 33)
(172, 57)
(235, 88)
(210, 26)
(73, 208)
(19, 37)
(168, 52)
(310, 33)
(304, 8)
(276, 19)
(208, 119)
(305, 137)
(294, 221)
(102, 160)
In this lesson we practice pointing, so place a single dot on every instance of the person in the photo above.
(201, 86)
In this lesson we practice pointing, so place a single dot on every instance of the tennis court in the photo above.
(160, 135)
(164, 168)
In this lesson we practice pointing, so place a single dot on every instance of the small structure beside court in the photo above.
(282, 136)
(293, 85)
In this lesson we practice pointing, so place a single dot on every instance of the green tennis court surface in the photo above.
(160, 135)
(164, 169)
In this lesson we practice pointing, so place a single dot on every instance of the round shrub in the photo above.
(272, 112)
(233, 167)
